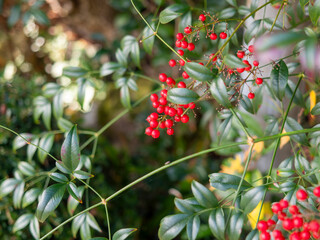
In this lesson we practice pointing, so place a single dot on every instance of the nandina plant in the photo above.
(219, 60)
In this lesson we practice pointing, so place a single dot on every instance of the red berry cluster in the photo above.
(294, 225)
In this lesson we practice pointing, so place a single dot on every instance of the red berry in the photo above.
(293, 209)
(164, 93)
(187, 30)
(178, 44)
(148, 131)
(306, 226)
(154, 116)
(162, 125)
(276, 207)
(184, 118)
(246, 62)
(294, 236)
(154, 97)
(181, 62)
(177, 118)
(170, 131)
(230, 71)
(155, 133)
(172, 112)
(181, 85)
(192, 105)
(270, 223)
(287, 224)
(259, 81)
(251, 48)
(316, 191)
(251, 95)
(163, 101)
(301, 195)
(212, 57)
(316, 235)
(213, 36)
(160, 109)
(262, 226)
(191, 46)
(202, 17)
(172, 63)
(155, 104)
(305, 235)
(314, 226)
(166, 110)
(240, 54)
(282, 216)
(223, 35)
(169, 123)
(154, 123)
(297, 222)
(265, 236)
(184, 44)
(170, 81)
(284, 203)
(248, 68)
(240, 70)
(185, 75)
(179, 111)
(201, 63)
(277, 233)
(255, 63)
(179, 36)
(180, 52)
(162, 77)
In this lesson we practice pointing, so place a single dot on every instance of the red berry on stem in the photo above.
(240, 70)
(202, 17)
(180, 52)
(223, 35)
(259, 81)
(192, 105)
(154, 123)
(287, 224)
(184, 44)
(166, 110)
(297, 222)
(178, 44)
(212, 57)
(170, 131)
(251, 95)
(262, 226)
(155, 133)
(179, 111)
(177, 118)
(271, 222)
(187, 30)
(265, 236)
(284, 203)
(240, 54)
(316, 191)
(172, 112)
(160, 109)
(153, 97)
(248, 68)
(293, 209)
(164, 93)
(251, 48)
(162, 125)
(170, 81)
(314, 226)
(295, 236)
(185, 75)
(184, 118)
(181, 85)
(162, 77)
(169, 123)
(282, 216)
(301, 195)
(172, 63)
(179, 36)
(155, 104)
(276, 207)
(154, 116)
(181, 62)
(213, 36)
(277, 233)
(191, 46)
(305, 235)
(163, 101)
(148, 131)
(255, 63)
(246, 62)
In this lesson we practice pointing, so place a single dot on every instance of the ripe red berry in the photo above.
(297, 222)
(169, 123)
(240, 70)
(276, 207)
(162, 125)
(262, 226)
(179, 36)
(178, 44)
(155, 133)
(284, 203)
(255, 63)
(187, 30)
(282, 215)
(277, 233)
(154, 97)
(154, 123)
(212, 57)
(172, 112)
(251, 48)
(301, 195)
(240, 54)
(251, 95)
(166, 110)
(181, 62)
(164, 93)
(184, 44)
(248, 68)
(295, 236)
(170, 81)
(265, 236)
(305, 235)
(191, 46)
(163, 101)
(185, 75)
(259, 81)
(202, 17)
(201, 63)
(287, 224)
(314, 226)
(170, 131)
(213, 36)
(155, 104)
(177, 118)
(179, 111)
(270, 223)
(180, 52)
(246, 62)
(160, 109)
(154, 116)
(148, 131)
(293, 209)
(223, 35)
(316, 191)
(172, 63)
(316, 235)
(181, 85)
(162, 77)
(184, 118)
(192, 105)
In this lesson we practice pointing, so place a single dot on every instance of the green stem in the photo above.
(108, 221)
(147, 78)
(241, 124)
(70, 219)
(91, 188)
(275, 20)
(277, 145)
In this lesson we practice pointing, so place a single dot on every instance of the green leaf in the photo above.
(193, 227)
(188, 206)
(46, 116)
(74, 72)
(30, 196)
(303, 3)
(85, 232)
(219, 92)
(280, 40)
(108, 68)
(227, 13)
(17, 195)
(125, 97)
(58, 177)
(73, 191)
(279, 79)
(7, 186)
(70, 151)
(73, 203)
(252, 123)
(172, 225)
(198, 72)
(45, 143)
(203, 195)
(292, 125)
(92, 222)
(19, 142)
(251, 199)
(58, 105)
(316, 109)
(172, 12)
(235, 225)
(123, 233)
(31, 150)
(129, 82)
(26, 168)
(82, 86)
(49, 200)
(224, 182)
(60, 165)
(82, 175)
(217, 223)
(22, 222)
(233, 61)
(14, 15)
(314, 11)
(76, 224)
(182, 96)
(64, 124)
(121, 58)
(40, 16)
(34, 228)
(129, 44)
(253, 235)
(186, 20)
(147, 40)
(298, 97)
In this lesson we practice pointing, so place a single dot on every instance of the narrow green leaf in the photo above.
(76, 224)
(251, 199)
(203, 195)
(186, 20)
(279, 79)
(235, 225)
(17, 195)
(34, 228)
(73, 191)
(49, 200)
(224, 182)
(82, 85)
(74, 72)
(46, 115)
(19, 142)
(298, 97)
(30, 196)
(50, 89)
(172, 12)
(121, 58)
(280, 40)
(253, 235)
(31, 150)
(108, 68)
(292, 125)
(46, 143)
(135, 53)
(70, 151)
(233, 61)
(172, 225)
(123, 233)
(189, 205)
(219, 92)
(217, 223)
(82, 175)
(60, 165)
(316, 109)
(92, 222)
(22, 222)
(147, 40)
(314, 11)
(125, 97)
(64, 124)
(227, 13)
(26, 168)
(85, 232)
(198, 72)
(40, 16)
(7, 186)
(182, 96)
(58, 105)
(193, 227)
(58, 177)
(73, 203)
